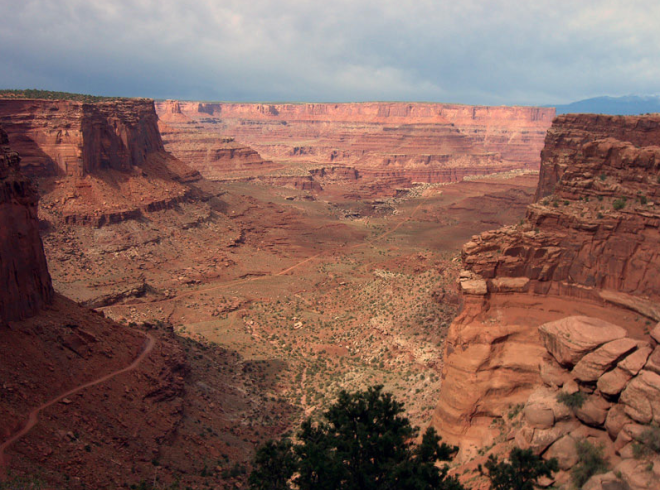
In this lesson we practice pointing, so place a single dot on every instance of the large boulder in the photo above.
(653, 362)
(642, 397)
(634, 363)
(542, 409)
(594, 411)
(616, 420)
(593, 365)
(613, 382)
(655, 333)
(571, 338)
(564, 451)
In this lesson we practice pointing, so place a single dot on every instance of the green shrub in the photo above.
(520, 472)
(362, 441)
(619, 204)
(572, 400)
(648, 444)
(590, 462)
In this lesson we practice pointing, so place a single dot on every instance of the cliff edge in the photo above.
(25, 284)
(588, 246)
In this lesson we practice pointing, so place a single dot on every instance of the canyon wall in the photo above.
(589, 245)
(25, 284)
(60, 137)
(95, 163)
(402, 142)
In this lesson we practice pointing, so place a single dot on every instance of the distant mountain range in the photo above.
(626, 105)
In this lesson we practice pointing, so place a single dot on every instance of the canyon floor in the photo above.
(327, 293)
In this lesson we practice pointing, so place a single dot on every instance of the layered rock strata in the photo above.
(60, 137)
(588, 245)
(393, 143)
(25, 284)
(96, 163)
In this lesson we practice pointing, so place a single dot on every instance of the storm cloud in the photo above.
(468, 51)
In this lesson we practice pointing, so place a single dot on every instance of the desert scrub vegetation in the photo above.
(590, 462)
(619, 204)
(648, 443)
(32, 93)
(572, 400)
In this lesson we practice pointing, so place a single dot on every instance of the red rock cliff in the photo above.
(59, 137)
(404, 142)
(590, 245)
(25, 284)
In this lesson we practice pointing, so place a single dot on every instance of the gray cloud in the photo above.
(472, 51)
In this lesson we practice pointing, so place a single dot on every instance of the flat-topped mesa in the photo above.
(98, 163)
(61, 137)
(595, 224)
(589, 245)
(25, 285)
(388, 141)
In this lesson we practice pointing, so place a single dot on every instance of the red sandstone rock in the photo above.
(394, 144)
(642, 397)
(633, 363)
(593, 365)
(613, 382)
(616, 420)
(575, 246)
(25, 284)
(570, 339)
(564, 451)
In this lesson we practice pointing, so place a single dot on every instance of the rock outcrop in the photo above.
(25, 284)
(96, 163)
(557, 416)
(589, 246)
(387, 144)
(60, 137)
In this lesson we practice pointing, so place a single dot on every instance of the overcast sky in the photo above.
(468, 51)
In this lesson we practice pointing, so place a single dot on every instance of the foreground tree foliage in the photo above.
(520, 472)
(363, 443)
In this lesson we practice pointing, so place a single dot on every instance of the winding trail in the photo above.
(33, 417)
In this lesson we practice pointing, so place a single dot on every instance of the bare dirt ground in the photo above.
(344, 293)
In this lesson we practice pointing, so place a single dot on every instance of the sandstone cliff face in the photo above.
(589, 245)
(95, 163)
(25, 284)
(394, 143)
(59, 137)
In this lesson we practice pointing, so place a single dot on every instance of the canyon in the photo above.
(362, 149)
(278, 253)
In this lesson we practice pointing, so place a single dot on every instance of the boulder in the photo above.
(642, 397)
(637, 475)
(542, 409)
(594, 411)
(564, 450)
(655, 333)
(653, 362)
(571, 338)
(605, 481)
(634, 363)
(616, 420)
(593, 365)
(614, 382)
(552, 374)
(540, 439)
(474, 286)
(539, 416)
